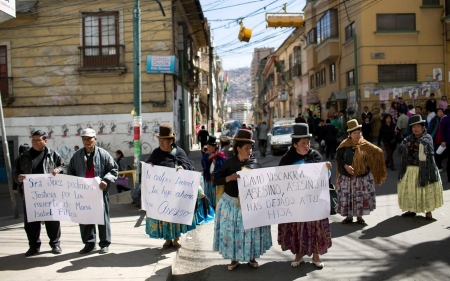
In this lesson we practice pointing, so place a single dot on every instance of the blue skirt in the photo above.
(166, 230)
(204, 212)
(210, 191)
(230, 238)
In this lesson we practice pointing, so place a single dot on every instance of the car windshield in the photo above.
(282, 130)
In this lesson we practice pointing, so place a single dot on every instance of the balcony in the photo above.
(296, 70)
(102, 60)
(311, 58)
(328, 50)
(283, 97)
(287, 76)
(6, 90)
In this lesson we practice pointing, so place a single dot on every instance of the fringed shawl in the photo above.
(366, 154)
(428, 172)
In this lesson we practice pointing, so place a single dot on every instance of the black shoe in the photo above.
(104, 250)
(32, 252)
(56, 250)
(87, 248)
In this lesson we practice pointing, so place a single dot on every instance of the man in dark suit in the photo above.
(203, 138)
(329, 133)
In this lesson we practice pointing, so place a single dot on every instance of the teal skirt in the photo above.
(166, 230)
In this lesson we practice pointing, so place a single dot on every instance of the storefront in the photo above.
(336, 103)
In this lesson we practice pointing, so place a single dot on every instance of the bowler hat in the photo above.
(301, 130)
(416, 119)
(353, 125)
(244, 135)
(165, 132)
(211, 140)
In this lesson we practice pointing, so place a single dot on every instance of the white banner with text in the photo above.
(169, 195)
(295, 193)
(63, 198)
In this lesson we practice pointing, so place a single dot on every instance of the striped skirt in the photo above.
(230, 238)
(413, 198)
(356, 195)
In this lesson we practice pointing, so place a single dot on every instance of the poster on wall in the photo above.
(437, 74)
(396, 93)
(384, 95)
(426, 89)
(414, 92)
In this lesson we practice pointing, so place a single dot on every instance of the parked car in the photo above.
(279, 137)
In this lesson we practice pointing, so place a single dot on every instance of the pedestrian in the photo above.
(76, 147)
(367, 129)
(300, 119)
(311, 237)
(263, 130)
(244, 126)
(212, 161)
(358, 171)
(443, 103)
(230, 238)
(445, 137)
(393, 112)
(434, 129)
(387, 135)
(122, 180)
(330, 136)
(411, 111)
(202, 138)
(431, 105)
(311, 121)
(18, 188)
(168, 154)
(338, 125)
(419, 183)
(402, 123)
(342, 119)
(95, 162)
(402, 105)
(39, 159)
(318, 135)
(367, 113)
(418, 110)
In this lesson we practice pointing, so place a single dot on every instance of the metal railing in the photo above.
(101, 57)
(5, 85)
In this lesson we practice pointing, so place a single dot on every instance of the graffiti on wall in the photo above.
(65, 152)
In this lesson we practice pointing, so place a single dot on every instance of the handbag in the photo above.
(122, 181)
(333, 200)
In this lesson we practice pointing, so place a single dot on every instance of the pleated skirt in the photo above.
(204, 212)
(210, 191)
(166, 230)
(356, 195)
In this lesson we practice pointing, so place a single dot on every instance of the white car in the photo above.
(280, 137)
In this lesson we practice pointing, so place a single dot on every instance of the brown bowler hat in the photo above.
(165, 132)
(244, 136)
(353, 125)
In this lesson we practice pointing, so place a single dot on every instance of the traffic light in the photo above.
(244, 33)
(285, 19)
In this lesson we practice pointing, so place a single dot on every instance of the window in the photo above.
(351, 78)
(396, 22)
(397, 73)
(100, 39)
(323, 77)
(4, 80)
(290, 62)
(317, 79)
(349, 31)
(311, 37)
(311, 81)
(431, 2)
(297, 55)
(332, 73)
(327, 26)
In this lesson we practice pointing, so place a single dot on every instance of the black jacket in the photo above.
(431, 106)
(230, 167)
(366, 130)
(291, 157)
(167, 159)
(387, 133)
(329, 133)
(203, 136)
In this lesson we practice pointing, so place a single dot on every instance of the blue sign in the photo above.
(162, 64)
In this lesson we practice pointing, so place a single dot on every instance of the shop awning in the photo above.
(337, 96)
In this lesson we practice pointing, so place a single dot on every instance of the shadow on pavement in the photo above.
(279, 271)
(19, 262)
(339, 230)
(393, 226)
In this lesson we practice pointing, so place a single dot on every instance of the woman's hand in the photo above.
(328, 164)
(210, 156)
(232, 177)
(349, 169)
(180, 168)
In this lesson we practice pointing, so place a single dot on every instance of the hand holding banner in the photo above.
(296, 193)
(63, 198)
(169, 195)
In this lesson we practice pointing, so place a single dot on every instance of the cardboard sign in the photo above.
(63, 198)
(169, 195)
(296, 193)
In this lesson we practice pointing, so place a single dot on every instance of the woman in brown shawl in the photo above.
(358, 171)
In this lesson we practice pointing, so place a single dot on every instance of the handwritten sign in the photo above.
(63, 198)
(296, 193)
(169, 195)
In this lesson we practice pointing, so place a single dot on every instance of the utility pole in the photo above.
(211, 90)
(137, 90)
(8, 162)
(355, 51)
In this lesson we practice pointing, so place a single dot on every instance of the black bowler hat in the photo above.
(301, 130)
(244, 135)
(211, 140)
(416, 119)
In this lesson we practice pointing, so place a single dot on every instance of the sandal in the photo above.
(429, 217)
(361, 221)
(347, 220)
(253, 264)
(232, 266)
(297, 263)
(168, 245)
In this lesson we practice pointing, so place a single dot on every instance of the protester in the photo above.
(123, 166)
(202, 138)
(367, 129)
(367, 113)
(95, 162)
(300, 119)
(230, 238)
(304, 238)
(358, 171)
(168, 154)
(204, 211)
(212, 161)
(445, 136)
(263, 130)
(418, 110)
(18, 188)
(443, 103)
(419, 183)
(402, 123)
(39, 159)
(387, 135)
(434, 129)
(431, 105)
(330, 136)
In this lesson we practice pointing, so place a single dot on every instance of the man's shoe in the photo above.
(56, 250)
(31, 252)
(104, 250)
(88, 248)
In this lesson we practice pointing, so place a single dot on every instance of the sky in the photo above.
(223, 17)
